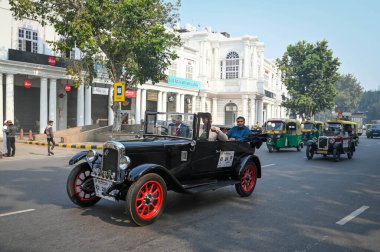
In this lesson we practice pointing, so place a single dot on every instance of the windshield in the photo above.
(274, 126)
(333, 128)
(308, 126)
(169, 124)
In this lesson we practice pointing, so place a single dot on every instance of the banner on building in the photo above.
(99, 91)
(152, 96)
(130, 93)
(182, 82)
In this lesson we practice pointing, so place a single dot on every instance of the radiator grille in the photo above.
(323, 143)
(110, 162)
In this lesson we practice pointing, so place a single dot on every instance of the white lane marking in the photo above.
(17, 212)
(352, 215)
(268, 165)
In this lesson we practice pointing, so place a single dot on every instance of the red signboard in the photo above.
(27, 84)
(67, 87)
(340, 115)
(130, 93)
(52, 61)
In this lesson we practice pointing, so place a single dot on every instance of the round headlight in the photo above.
(315, 139)
(332, 140)
(91, 156)
(124, 162)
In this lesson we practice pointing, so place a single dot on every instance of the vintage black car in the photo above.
(336, 139)
(173, 154)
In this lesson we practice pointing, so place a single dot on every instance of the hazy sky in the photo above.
(352, 27)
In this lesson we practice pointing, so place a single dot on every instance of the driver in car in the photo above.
(215, 133)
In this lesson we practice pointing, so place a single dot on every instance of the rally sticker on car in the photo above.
(226, 158)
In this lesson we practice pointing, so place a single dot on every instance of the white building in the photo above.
(225, 76)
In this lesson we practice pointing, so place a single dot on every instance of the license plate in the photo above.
(102, 186)
(322, 152)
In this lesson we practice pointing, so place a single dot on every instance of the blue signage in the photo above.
(177, 81)
(119, 91)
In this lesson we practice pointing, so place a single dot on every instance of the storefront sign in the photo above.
(52, 61)
(118, 92)
(99, 91)
(27, 84)
(152, 96)
(67, 87)
(130, 93)
(182, 82)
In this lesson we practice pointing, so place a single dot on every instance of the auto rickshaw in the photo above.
(311, 129)
(283, 133)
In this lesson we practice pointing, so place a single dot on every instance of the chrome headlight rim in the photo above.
(92, 156)
(332, 140)
(124, 163)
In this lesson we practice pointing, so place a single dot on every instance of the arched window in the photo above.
(232, 65)
(230, 114)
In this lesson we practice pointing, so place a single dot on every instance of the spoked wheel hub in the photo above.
(149, 200)
(247, 181)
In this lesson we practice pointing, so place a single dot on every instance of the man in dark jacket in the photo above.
(50, 137)
(11, 139)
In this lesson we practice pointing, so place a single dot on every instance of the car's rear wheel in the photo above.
(248, 180)
(309, 152)
(80, 186)
(350, 152)
(336, 155)
(146, 199)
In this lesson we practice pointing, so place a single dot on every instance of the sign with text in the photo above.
(130, 93)
(182, 82)
(118, 92)
(99, 91)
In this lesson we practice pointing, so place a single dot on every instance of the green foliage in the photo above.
(349, 93)
(309, 72)
(370, 104)
(128, 37)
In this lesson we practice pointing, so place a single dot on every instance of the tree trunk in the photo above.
(116, 116)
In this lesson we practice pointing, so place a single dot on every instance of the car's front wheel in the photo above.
(309, 152)
(146, 199)
(248, 180)
(80, 186)
(270, 148)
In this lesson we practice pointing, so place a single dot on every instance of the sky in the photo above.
(351, 27)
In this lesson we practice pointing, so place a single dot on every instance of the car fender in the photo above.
(252, 158)
(77, 157)
(172, 183)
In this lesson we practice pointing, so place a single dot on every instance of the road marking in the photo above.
(352, 215)
(268, 165)
(17, 212)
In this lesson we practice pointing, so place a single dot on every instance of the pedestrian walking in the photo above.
(5, 149)
(11, 139)
(50, 137)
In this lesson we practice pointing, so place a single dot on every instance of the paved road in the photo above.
(295, 207)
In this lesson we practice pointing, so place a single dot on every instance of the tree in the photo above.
(349, 93)
(309, 72)
(370, 104)
(128, 37)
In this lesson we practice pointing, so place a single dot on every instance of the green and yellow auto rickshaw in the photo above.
(311, 129)
(283, 133)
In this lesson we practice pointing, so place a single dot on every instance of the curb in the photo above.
(75, 146)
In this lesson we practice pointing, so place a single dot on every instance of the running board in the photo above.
(212, 186)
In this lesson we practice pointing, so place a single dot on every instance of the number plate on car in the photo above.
(322, 152)
(102, 186)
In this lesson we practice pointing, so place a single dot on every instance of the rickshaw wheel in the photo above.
(309, 152)
(270, 148)
(336, 155)
(298, 148)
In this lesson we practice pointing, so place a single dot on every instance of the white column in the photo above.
(43, 104)
(53, 103)
(178, 102)
(246, 60)
(182, 103)
(245, 107)
(143, 103)
(138, 106)
(80, 105)
(87, 106)
(9, 100)
(110, 110)
(252, 117)
(203, 104)
(159, 104)
(1, 100)
(215, 109)
(261, 74)
(164, 101)
(260, 112)
(240, 74)
(216, 63)
(193, 104)
(255, 65)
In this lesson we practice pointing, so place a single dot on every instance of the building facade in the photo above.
(225, 76)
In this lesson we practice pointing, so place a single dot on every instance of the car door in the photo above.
(204, 159)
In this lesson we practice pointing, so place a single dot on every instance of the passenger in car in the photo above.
(239, 132)
(215, 133)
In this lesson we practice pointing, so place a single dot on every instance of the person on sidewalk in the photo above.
(5, 149)
(50, 137)
(11, 139)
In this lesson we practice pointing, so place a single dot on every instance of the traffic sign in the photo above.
(118, 92)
